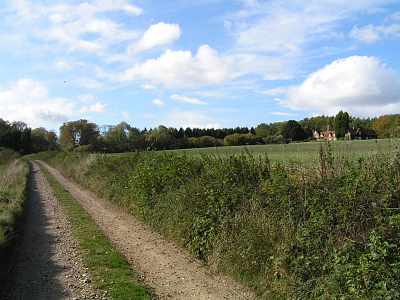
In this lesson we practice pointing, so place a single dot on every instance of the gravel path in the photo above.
(173, 273)
(48, 264)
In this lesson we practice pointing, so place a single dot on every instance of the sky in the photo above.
(203, 63)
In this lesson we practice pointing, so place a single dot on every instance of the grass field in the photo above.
(303, 152)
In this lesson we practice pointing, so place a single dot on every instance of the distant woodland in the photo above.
(82, 135)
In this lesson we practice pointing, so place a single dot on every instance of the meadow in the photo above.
(301, 152)
(330, 229)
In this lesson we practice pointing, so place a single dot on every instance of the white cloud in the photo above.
(148, 87)
(275, 91)
(74, 27)
(282, 113)
(372, 33)
(186, 99)
(86, 98)
(157, 35)
(29, 101)
(88, 83)
(63, 65)
(193, 119)
(181, 68)
(97, 107)
(274, 39)
(125, 115)
(367, 34)
(359, 84)
(158, 102)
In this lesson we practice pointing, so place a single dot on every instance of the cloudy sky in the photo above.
(203, 63)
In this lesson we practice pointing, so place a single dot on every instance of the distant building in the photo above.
(327, 135)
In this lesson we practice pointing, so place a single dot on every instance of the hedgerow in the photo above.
(288, 231)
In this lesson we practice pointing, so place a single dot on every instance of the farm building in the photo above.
(327, 135)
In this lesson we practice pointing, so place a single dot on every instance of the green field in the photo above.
(303, 152)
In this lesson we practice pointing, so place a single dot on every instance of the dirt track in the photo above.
(171, 272)
(48, 264)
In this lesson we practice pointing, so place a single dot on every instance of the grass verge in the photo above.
(110, 270)
(13, 193)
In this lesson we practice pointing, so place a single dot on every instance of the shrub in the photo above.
(203, 142)
(238, 139)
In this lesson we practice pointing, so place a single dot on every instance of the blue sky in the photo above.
(204, 63)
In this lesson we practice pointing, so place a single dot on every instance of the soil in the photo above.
(47, 263)
(169, 270)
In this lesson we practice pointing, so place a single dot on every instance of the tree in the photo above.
(136, 139)
(203, 142)
(78, 133)
(263, 130)
(293, 131)
(387, 126)
(116, 137)
(342, 124)
(160, 138)
(237, 139)
(43, 140)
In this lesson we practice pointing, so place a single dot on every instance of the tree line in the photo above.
(82, 135)
(19, 137)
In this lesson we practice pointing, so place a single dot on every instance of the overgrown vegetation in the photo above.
(13, 192)
(110, 270)
(328, 230)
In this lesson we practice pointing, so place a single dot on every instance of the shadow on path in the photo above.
(34, 272)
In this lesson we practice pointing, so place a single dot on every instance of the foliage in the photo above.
(78, 133)
(342, 124)
(387, 126)
(43, 140)
(274, 139)
(19, 137)
(319, 123)
(327, 230)
(15, 136)
(293, 131)
(203, 141)
(238, 139)
(13, 192)
(160, 138)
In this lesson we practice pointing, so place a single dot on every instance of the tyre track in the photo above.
(48, 264)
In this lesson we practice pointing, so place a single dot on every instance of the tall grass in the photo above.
(13, 192)
(328, 230)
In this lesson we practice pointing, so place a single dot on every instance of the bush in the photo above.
(274, 139)
(203, 142)
(238, 139)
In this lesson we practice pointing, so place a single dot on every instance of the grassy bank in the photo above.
(327, 230)
(13, 193)
(110, 270)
